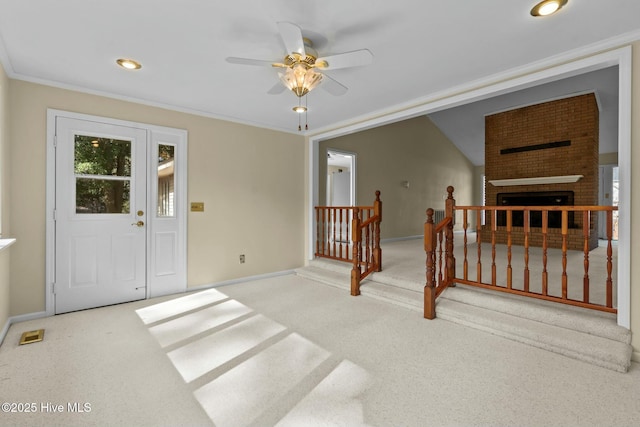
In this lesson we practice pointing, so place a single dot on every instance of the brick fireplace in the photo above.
(555, 141)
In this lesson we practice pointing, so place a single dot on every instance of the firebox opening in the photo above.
(535, 198)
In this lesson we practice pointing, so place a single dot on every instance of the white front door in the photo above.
(100, 214)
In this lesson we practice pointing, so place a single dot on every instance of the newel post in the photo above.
(450, 212)
(377, 251)
(355, 238)
(429, 248)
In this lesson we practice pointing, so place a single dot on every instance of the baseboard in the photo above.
(240, 280)
(417, 236)
(5, 329)
(635, 356)
(17, 319)
(399, 239)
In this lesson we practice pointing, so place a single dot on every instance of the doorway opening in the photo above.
(341, 178)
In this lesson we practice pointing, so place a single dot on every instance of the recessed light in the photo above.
(547, 7)
(129, 64)
(300, 109)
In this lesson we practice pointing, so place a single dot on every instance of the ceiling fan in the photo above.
(301, 66)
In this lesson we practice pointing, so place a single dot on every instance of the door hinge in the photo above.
(55, 141)
(55, 214)
(53, 288)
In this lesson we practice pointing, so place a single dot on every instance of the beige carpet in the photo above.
(290, 351)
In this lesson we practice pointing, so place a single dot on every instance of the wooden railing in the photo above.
(535, 277)
(351, 234)
(441, 264)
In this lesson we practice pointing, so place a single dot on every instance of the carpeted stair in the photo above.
(585, 335)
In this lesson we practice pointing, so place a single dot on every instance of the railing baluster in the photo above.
(545, 274)
(355, 270)
(340, 246)
(349, 220)
(609, 284)
(585, 232)
(324, 231)
(440, 251)
(367, 255)
(527, 217)
(479, 245)
(509, 269)
(565, 231)
(494, 228)
(465, 263)
(318, 231)
(333, 225)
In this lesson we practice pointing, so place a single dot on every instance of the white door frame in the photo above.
(155, 135)
(555, 68)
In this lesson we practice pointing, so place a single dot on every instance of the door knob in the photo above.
(139, 223)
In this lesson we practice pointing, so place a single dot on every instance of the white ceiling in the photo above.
(420, 48)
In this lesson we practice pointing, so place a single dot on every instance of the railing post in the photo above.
(450, 211)
(377, 251)
(356, 238)
(430, 286)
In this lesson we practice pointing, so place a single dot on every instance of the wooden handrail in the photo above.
(367, 254)
(351, 234)
(582, 233)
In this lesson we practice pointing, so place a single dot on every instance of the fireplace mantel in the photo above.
(536, 180)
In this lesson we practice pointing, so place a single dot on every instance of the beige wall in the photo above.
(412, 150)
(250, 179)
(4, 197)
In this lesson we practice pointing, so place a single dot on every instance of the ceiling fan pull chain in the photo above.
(306, 110)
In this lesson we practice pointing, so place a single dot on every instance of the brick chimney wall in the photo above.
(573, 119)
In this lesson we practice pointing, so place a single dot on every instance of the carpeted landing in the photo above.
(587, 335)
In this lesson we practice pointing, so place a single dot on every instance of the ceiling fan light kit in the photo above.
(302, 65)
(300, 79)
(547, 7)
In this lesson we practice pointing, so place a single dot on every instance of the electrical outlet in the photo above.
(242, 259)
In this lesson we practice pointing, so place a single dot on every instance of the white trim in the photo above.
(551, 69)
(242, 280)
(624, 170)
(535, 180)
(551, 99)
(181, 205)
(5, 243)
(17, 319)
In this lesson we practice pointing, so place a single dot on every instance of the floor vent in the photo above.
(32, 336)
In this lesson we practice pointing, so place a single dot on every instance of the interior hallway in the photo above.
(290, 351)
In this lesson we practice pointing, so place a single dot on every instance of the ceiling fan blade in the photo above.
(248, 61)
(333, 86)
(292, 37)
(277, 89)
(344, 60)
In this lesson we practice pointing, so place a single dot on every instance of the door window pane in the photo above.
(166, 180)
(96, 196)
(95, 158)
(102, 156)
